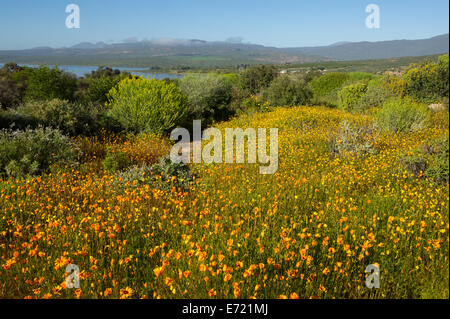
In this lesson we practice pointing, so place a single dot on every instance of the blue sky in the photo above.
(281, 23)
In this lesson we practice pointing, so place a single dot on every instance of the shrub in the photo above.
(375, 96)
(428, 82)
(115, 161)
(287, 91)
(253, 104)
(72, 119)
(352, 139)
(360, 77)
(209, 97)
(172, 174)
(326, 84)
(142, 149)
(99, 87)
(255, 78)
(163, 175)
(12, 87)
(11, 93)
(402, 115)
(34, 151)
(134, 176)
(430, 160)
(147, 105)
(44, 83)
(10, 119)
(351, 95)
(396, 84)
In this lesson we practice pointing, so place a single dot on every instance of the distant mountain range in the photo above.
(197, 53)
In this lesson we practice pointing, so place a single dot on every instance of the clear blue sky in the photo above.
(281, 23)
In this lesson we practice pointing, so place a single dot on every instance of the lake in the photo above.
(81, 70)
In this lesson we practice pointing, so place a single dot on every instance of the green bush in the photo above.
(163, 175)
(209, 97)
(46, 84)
(10, 119)
(11, 93)
(429, 82)
(99, 87)
(376, 95)
(351, 95)
(327, 83)
(285, 90)
(147, 105)
(352, 139)
(12, 88)
(71, 118)
(360, 77)
(172, 174)
(402, 115)
(134, 176)
(34, 151)
(255, 78)
(115, 161)
(430, 160)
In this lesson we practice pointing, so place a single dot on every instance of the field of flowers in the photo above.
(307, 231)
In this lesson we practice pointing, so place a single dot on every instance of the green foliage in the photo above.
(11, 90)
(352, 139)
(209, 97)
(34, 151)
(172, 174)
(72, 119)
(285, 90)
(351, 95)
(10, 119)
(360, 77)
(11, 93)
(376, 96)
(255, 78)
(326, 84)
(147, 105)
(164, 175)
(115, 161)
(253, 104)
(44, 83)
(99, 87)
(134, 176)
(430, 160)
(402, 115)
(429, 82)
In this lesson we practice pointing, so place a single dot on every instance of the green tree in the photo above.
(209, 97)
(47, 84)
(350, 96)
(140, 104)
(285, 90)
(254, 78)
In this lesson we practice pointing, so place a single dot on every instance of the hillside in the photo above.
(195, 53)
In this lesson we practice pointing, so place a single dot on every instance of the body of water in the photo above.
(81, 70)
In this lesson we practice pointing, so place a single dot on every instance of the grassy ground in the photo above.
(307, 231)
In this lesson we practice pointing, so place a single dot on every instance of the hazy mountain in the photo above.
(195, 52)
(377, 50)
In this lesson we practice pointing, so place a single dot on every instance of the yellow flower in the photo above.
(126, 293)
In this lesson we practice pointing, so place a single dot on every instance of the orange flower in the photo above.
(108, 291)
(212, 293)
(158, 271)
